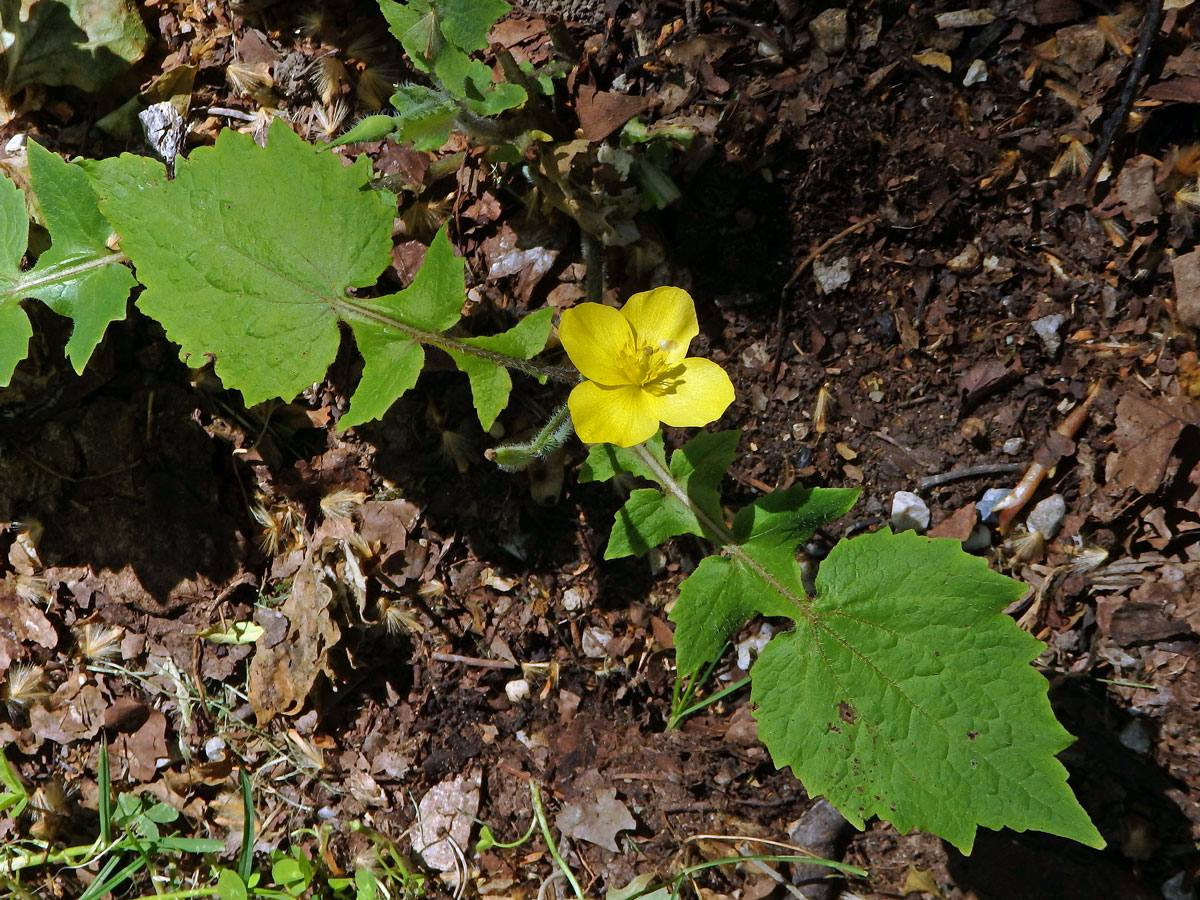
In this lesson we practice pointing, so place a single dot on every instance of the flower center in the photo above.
(647, 365)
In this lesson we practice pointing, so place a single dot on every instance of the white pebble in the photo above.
(832, 276)
(517, 690)
(988, 501)
(1047, 516)
(1013, 446)
(1047, 328)
(574, 599)
(909, 512)
(976, 72)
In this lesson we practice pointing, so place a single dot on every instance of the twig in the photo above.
(926, 484)
(796, 273)
(476, 661)
(1006, 510)
(1116, 120)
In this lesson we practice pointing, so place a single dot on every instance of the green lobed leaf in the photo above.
(491, 383)
(249, 252)
(701, 463)
(414, 24)
(605, 461)
(648, 518)
(391, 360)
(15, 330)
(423, 116)
(498, 99)
(904, 692)
(466, 23)
(766, 579)
(71, 277)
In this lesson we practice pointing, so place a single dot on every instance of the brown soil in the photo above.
(144, 473)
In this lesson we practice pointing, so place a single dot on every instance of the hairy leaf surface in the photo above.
(904, 692)
(249, 253)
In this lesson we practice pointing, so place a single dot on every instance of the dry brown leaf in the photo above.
(603, 112)
(596, 817)
(283, 674)
(1146, 433)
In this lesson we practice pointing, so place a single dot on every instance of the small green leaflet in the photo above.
(78, 276)
(905, 692)
(423, 26)
(491, 383)
(650, 517)
(391, 359)
(605, 461)
(762, 577)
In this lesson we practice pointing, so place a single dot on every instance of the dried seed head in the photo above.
(33, 588)
(431, 589)
(100, 642)
(1118, 234)
(456, 448)
(397, 618)
(328, 78)
(1024, 546)
(375, 86)
(1188, 196)
(249, 78)
(1074, 160)
(283, 526)
(316, 23)
(23, 686)
(329, 119)
(342, 504)
(424, 217)
(1185, 160)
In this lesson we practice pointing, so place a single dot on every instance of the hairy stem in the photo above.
(720, 533)
(354, 310)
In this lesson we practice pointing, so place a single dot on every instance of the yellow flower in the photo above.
(636, 370)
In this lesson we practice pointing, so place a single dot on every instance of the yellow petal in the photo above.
(594, 335)
(612, 415)
(701, 393)
(665, 319)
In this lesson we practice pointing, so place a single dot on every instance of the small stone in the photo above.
(828, 30)
(979, 539)
(517, 690)
(1047, 328)
(976, 72)
(574, 599)
(16, 143)
(967, 260)
(987, 503)
(965, 18)
(909, 512)
(1013, 446)
(875, 396)
(594, 643)
(1173, 888)
(832, 276)
(1135, 737)
(214, 748)
(1047, 517)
